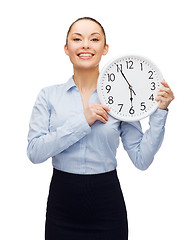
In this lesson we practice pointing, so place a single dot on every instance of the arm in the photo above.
(141, 147)
(43, 144)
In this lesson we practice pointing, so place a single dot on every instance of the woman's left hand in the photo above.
(165, 96)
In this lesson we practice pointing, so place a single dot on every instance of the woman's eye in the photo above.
(95, 39)
(76, 39)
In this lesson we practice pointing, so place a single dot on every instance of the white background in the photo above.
(160, 200)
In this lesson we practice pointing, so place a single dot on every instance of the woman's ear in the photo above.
(66, 50)
(106, 48)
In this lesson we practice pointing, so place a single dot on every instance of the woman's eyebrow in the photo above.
(90, 34)
(77, 34)
(95, 33)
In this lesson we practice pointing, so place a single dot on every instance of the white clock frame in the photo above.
(143, 63)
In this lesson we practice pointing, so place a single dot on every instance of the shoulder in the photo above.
(49, 93)
(53, 88)
(53, 94)
(58, 88)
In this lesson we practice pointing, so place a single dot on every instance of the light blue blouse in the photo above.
(58, 129)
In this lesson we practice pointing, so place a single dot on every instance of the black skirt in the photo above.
(88, 207)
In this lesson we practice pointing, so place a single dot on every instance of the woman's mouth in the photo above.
(85, 56)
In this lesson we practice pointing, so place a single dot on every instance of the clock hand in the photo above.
(131, 97)
(130, 87)
(125, 79)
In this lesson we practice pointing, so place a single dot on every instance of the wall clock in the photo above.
(128, 85)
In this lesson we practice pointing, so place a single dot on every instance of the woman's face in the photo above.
(85, 44)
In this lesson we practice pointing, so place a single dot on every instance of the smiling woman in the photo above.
(69, 124)
(88, 44)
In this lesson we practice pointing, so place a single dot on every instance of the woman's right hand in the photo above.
(95, 112)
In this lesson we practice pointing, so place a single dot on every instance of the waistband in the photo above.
(98, 177)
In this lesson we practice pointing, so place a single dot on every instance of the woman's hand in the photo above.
(95, 112)
(165, 96)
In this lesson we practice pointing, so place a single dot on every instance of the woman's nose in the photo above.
(86, 44)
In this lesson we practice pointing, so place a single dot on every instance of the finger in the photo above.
(99, 106)
(98, 109)
(159, 98)
(168, 91)
(163, 94)
(164, 89)
(162, 99)
(104, 107)
(165, 84)
(98, 117)
(102, 113)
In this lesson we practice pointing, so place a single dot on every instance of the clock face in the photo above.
(128, 85)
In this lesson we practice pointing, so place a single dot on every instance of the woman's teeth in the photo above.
(85, 55)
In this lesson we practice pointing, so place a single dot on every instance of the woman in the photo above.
(69, 124)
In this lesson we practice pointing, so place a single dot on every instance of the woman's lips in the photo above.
(85, 55)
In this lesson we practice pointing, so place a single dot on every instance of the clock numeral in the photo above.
(111, 77)
(151, 75)
(141, 66)
(131, 110)
(153, 86)
(129, 64)
(120, 104)
(108, 88)
(143, 106)
(151, 97)
(119, 68)
(110, 100)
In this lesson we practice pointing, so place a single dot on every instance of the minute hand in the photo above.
(130, 87)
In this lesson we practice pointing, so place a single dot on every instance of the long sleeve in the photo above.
(43, 143)
(141, 147)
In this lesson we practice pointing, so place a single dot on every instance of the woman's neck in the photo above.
(86, 80)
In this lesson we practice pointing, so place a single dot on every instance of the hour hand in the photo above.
(131, 97)
(131, 90)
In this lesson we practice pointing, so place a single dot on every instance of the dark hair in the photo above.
(87, 18)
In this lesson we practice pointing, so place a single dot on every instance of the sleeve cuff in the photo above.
(159, 117)
(84, 124)
(79, 126)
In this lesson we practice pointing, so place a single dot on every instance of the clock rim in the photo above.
(99, 81)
